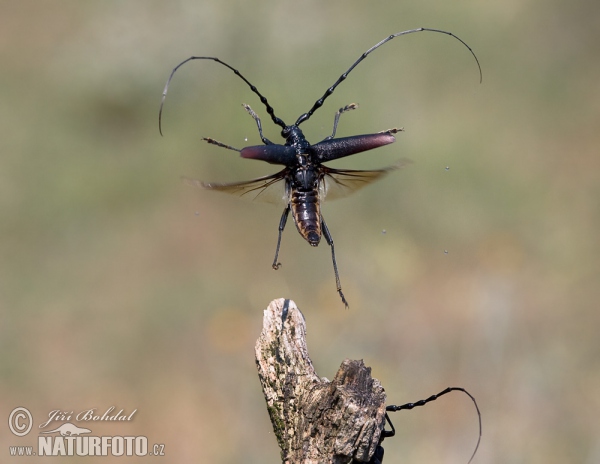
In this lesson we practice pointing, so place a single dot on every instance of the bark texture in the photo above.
(315, 420)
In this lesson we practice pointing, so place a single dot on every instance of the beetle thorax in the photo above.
(295, 138)
(305, 176)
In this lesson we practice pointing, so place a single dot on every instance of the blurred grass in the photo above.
(121, 286)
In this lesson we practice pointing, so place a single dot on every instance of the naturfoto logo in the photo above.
(68, 439)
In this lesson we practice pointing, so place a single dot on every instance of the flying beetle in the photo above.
(305, 180)
(377, 457)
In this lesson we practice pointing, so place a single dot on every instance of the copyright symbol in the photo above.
(20, 421)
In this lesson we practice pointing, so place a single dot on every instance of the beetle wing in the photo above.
(274, 153)
(339, 183)
(269, 189)
(332, 149)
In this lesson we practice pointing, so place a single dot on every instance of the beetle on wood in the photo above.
(377, 457)
(305, 180)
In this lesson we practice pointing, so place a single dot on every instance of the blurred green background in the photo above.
(121, 286)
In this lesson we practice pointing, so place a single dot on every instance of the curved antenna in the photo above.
(330, 90)
(270, 110)
(435, 397)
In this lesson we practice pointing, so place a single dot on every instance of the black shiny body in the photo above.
(305, 178)
(306, 210)
(305, 172)
(303, 185)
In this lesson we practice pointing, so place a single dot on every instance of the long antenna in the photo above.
(263, 99)
(435, 397)
(330, 90)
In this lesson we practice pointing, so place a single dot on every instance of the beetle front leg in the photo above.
(377, 457)
(329, 240)
(219, 144)
(282, 222)
(395, 130)
(351, 106)
(251, 112)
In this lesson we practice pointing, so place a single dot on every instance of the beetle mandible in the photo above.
(306, 181)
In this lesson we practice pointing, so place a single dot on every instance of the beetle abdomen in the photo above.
(307, 215)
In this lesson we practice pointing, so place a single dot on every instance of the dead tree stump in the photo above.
(315, 420)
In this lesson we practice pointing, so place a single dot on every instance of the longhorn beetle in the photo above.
(377, 457)
(305, 180)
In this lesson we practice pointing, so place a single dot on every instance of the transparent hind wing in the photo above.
(339, 183)
(269, 189)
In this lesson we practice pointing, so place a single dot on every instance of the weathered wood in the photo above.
(315, 420)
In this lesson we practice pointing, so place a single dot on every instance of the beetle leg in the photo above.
(395, 130)
(377, 457)
(251, 112)
(329, 240)
(282, 222)
(219, 144)
(388, 433)
(351, 106)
